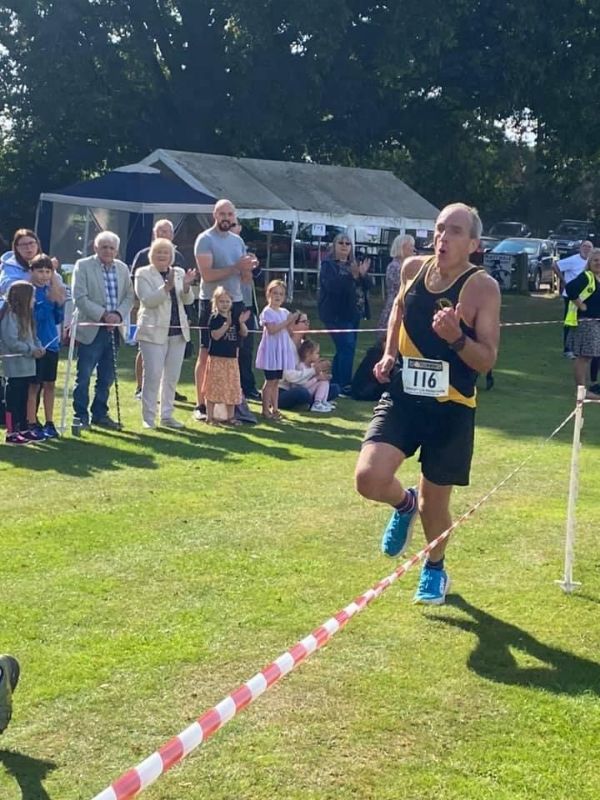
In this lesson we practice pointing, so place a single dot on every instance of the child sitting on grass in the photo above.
(312, 376)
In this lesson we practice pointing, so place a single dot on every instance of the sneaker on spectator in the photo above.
(321, 407)
(172, 423)
(254, 395)
(199, 413)
(50, 431)
(35, 433)
(569, 354)
(9, 678)
(107, 422)
(433, 587)
(148, 425)
(243, 414)
(398, 533)
(138, 393)
(346, 391)
(16, 438)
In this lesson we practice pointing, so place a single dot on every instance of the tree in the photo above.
(428, 88)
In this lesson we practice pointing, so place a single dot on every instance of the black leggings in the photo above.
(17, 390)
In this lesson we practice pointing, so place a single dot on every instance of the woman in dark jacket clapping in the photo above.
(343, 301)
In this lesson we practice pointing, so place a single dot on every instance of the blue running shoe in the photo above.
(398, 533)
(433, 587)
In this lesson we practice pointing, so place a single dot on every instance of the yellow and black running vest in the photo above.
(417, 338)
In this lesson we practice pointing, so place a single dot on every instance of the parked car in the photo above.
(509, 230)
(569, 235)
(486, 243)
(540, 255)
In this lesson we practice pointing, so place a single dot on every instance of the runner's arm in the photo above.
(481, 353)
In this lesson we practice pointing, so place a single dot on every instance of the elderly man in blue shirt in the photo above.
(102, 293)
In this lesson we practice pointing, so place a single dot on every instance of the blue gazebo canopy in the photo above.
(136, 194)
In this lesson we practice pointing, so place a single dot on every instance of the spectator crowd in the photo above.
(165, 299)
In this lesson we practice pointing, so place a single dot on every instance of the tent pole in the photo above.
(86, 233)
(292, 248)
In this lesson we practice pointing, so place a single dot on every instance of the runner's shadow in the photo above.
(493, 659)
(28, 773)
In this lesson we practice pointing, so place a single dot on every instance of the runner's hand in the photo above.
(446, 323)
(383, 369)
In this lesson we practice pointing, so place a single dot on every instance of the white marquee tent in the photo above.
(301, 192)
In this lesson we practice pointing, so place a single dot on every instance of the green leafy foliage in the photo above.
(429, 88)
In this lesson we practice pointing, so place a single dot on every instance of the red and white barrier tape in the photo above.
(174, 751)
(310, 330)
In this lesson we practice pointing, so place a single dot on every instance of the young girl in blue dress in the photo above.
(276, 351)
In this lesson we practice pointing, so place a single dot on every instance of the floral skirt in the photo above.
(584, 340)
(222, 381)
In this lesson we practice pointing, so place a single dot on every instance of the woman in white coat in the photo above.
(163, 330)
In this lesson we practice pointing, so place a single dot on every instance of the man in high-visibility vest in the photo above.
(583, 320)
(567, 269)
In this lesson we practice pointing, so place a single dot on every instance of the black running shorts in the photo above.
(443, 431)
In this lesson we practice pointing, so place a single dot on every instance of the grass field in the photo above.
(147, 574)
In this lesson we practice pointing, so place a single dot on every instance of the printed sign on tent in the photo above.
(265, 225)
(318, 229)
(422, 233)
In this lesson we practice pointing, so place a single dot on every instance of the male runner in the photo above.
(445, 326)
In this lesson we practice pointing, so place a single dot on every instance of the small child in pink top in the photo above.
(316, 380)
(276, 351)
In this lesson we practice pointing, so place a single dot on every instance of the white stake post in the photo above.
(65, 398)
(568, 584)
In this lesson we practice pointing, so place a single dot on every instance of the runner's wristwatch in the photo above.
(458, 345)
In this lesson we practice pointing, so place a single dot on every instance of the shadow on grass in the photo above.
(28, 773)
(493, 660)
(102, 450)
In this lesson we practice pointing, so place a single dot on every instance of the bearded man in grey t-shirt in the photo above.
(222, 261)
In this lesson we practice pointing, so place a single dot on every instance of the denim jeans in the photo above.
(293, 397)
(345, 347)
(246, 358)
(99, 356)
(300, 396)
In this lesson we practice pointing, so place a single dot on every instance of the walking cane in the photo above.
(113, 340)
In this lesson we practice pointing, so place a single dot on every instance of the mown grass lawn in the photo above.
(145, 575)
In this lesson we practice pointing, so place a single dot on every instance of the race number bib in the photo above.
(426, 377)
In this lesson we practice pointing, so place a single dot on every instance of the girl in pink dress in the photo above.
(276, 350)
